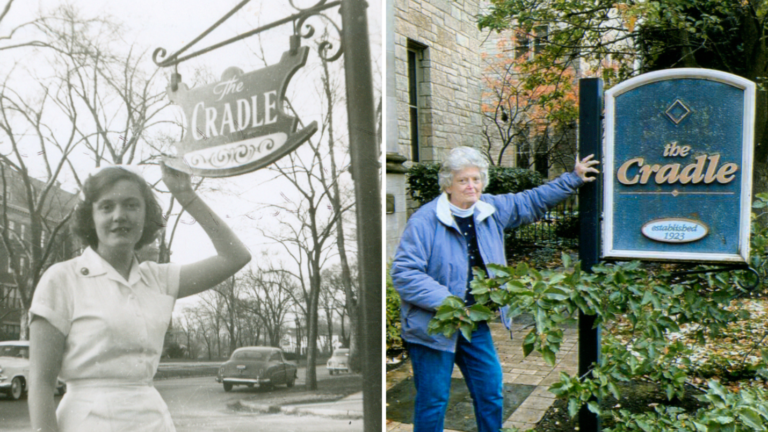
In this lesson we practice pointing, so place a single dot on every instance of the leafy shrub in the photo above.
(655, 305)
(423, 186)
(746, 410)
(394, 342)
(422, 182)
(174, 350)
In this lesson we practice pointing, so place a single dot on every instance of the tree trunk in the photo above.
(24, 324)
(346, 278)
(329, 318)
(312, 311)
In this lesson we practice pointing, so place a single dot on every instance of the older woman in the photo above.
(442, 241)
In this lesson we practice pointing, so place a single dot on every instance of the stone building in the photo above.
(13, 206)
(433, 91)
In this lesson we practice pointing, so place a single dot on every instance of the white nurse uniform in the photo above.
(114, 338)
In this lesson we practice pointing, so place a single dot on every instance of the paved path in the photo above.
(517, 369)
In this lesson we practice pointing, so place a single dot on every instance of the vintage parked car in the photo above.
(14, 369)
(257, 366)
(339, 361)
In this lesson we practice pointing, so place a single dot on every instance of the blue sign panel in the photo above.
(678, 167)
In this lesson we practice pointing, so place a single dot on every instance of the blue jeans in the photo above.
(481, 369)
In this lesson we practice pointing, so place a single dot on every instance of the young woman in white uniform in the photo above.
(98, 321)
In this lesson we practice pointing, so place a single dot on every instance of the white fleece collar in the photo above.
(482, 210)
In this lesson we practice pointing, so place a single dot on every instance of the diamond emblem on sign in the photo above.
(677, 112)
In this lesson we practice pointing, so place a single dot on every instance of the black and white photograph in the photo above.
(191, 215)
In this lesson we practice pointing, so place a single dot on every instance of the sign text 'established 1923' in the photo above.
(678, 158)
(238, 125)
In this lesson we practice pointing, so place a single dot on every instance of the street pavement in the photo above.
(200, 404)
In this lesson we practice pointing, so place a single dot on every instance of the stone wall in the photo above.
(450, 91)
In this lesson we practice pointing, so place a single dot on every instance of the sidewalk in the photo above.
(517, 369)
(350, 407)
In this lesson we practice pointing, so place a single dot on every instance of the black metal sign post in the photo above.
(590, 200)
(365, 164)
(366, 172)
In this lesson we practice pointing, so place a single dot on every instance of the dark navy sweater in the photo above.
(467, 227)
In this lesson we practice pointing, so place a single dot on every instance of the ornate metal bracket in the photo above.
(298, 19)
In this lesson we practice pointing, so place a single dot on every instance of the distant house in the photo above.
(288, 342)
(59, 204)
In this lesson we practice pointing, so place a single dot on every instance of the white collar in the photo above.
(443, 210)
(457, 211)
(91, 264)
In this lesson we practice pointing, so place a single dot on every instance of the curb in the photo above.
(322, 412)
(255, 407)
(297, 410)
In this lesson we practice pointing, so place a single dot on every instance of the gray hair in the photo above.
(459, 159)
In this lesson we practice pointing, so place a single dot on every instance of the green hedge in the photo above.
(394, 342)
(423, 186)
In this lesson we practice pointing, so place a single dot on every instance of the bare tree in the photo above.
(32, 142)
(270, 299)
(333, 188)
(331, 302)
(534, 119)
(184, 325)
(206, 327)
(5, 39)
(307, 225)
(223, 304)
(121, 100)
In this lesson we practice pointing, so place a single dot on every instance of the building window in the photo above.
(10, 265)
(541, 163)
(522, 159)
(541, 34)
(23, 229)
(415, 77)
(12, 225)
(22, 265)
(531, 45)
(523, 43)
(42, 239)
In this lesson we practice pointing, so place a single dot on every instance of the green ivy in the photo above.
(654, 304)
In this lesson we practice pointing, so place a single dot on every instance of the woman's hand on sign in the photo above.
(585, 166)
(177, 182)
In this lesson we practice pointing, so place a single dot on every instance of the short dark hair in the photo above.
(96, 184)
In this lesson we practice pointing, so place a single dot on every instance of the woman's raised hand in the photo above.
(585, 166)
(177, 181)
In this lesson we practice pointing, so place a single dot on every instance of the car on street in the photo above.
(339, 361)
(14, 369)
(257, 366)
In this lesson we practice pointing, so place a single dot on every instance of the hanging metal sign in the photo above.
(238, 125)
(678, 158)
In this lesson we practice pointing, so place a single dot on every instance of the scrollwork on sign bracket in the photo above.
(298, 19)
(325, 48)
(318, 4)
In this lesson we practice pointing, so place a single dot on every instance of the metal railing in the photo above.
(558, 227)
